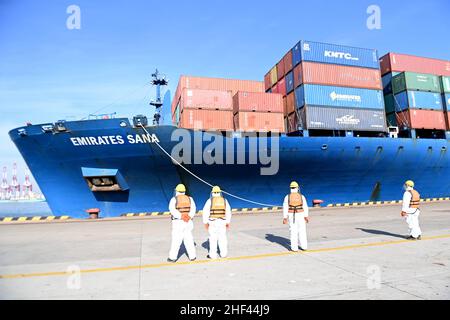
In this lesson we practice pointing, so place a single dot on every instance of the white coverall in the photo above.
(298, 227)
(181, 231)
(217, 230)
(412, 214)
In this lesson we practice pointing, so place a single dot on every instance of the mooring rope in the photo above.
(202, 180)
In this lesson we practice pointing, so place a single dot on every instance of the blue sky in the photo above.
(48, 72)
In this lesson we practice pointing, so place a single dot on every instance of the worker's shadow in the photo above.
(183, 250)
(206, 244)
(280, 240)
(380, 232)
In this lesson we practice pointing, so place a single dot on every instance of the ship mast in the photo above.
(158, 82)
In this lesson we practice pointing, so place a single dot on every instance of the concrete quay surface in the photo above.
(354, 253)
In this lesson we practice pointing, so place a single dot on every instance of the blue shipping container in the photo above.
(418, 100)
(334, 54)
(386, 80)
(312, 94)
(289, 82)
(446, 100)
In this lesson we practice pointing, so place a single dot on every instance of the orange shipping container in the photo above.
(200, 119)
(280, 69)
(259, 102)
(206, 99)
(215, 84)
(421, 119)
(337, 75)
(259, 121)
(287, 60)
(290, 103)
(267, 82)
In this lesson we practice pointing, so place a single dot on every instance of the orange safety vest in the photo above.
(183, 204)
(218, 208)
(415, 199)
(295, 201)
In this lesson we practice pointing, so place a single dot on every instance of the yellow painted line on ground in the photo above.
(258, 256)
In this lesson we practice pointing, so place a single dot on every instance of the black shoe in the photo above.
(419, 238)
(193, 259)
(410, 238)
(170, 260)
(208, 256)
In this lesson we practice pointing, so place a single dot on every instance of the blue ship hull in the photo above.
(335, 170)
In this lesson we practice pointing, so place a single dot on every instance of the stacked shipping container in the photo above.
(225, 104)
(445, 88)
(414, 91)
(330, 87)
(257, 111)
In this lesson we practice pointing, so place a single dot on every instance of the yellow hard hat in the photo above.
(180, 188)
(216, 189)
(409, 183)
(294, 184)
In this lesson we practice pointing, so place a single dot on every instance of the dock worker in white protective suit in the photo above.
(410, 210)
(217, 218)
(182, 210)
(296, 212)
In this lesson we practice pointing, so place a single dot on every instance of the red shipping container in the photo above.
(287, 60)
(290, 103)
(280, 70)
(337, 75)
(200, 119)
(282, 86)
(206, 99)
(275, 88)
(404, 62)
(256, 101)
(421, 119)
(259, 121)
(216, 84)
(448, 120)
(267, 82)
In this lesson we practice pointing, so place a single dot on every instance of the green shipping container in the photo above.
(391, 119)
(445, 81)
(389, 103)
(415, 81)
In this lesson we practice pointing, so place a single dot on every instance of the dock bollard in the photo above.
(317, 202)
(93, 213)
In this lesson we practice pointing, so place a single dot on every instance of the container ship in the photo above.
(348, 126)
